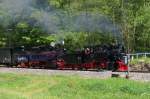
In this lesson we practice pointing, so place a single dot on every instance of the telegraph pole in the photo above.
(124, 30)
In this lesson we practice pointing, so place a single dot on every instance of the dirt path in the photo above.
(102, 75)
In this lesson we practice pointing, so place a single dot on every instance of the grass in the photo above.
(25, 86)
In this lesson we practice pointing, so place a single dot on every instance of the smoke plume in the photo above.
(53, 20)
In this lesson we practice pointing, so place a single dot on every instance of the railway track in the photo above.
(145, 77)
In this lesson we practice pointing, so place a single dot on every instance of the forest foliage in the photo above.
(78, 23)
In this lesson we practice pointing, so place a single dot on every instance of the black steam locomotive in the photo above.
(94, 57)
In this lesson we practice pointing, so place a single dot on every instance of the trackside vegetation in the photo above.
(139, 60)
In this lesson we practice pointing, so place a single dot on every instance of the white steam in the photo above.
(53, 20)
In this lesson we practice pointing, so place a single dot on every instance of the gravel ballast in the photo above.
(145, 77)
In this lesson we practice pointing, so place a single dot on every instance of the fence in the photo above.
(137, 56)
(130, 57)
